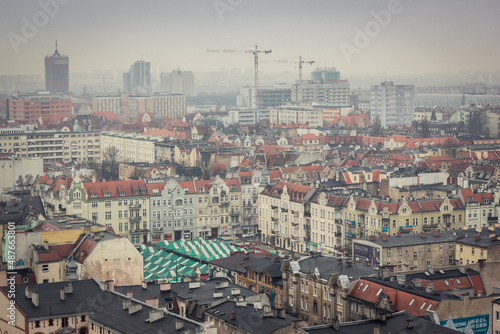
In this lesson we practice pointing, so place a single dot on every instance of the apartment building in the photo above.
(327, 232)
(219, 207)
(478, 244)
(50, 107)
(394, 104)
(249, 182)
(121, 205)
(316, 287)
(337, 94)
(131, 147)
(405, 252)
(297, 115)
(284, 216)
(64, 146)
(480, 208)
(173, 210)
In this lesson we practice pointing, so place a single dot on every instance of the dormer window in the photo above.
(155, 192)
(486, 201)
(107, 194)
(200, 189)
(122, 193)
(470, 199)
(233, 187)
(93, 195)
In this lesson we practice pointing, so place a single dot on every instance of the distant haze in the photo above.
(425, 36)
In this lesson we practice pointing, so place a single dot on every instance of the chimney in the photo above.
(126, 303)
(372, 237)
(384, 237)
(436, 233)
(86, 229)
(28, 292)
(428, 289)
(45, 244)
(155, 315)
(232, 316)
(179, 324)
(479, 293)
(133, 308)
(431, 270)
(423, 234)
(68, 288)
(164, 286)
(399, 234)
(153, 301)
(463, 270)
(144, 285)
(376, 329)
(62, 294)
(130, 294)
(418, 283)
(409, 323)
(477, 237)
(35, 298)
(110, 285)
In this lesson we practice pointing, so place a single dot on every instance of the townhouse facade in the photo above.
(284, 215)
(121, 205)
(173, 210)
(250, 182)
(480, 244)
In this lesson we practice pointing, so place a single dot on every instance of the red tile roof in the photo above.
(131, 188)
(368, 291)
(58, 252)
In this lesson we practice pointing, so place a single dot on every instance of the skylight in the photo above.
(411, 302)
(360, 286)
(423, 305)
(366, 287)
(379, 291)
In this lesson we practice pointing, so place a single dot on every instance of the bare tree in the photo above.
(377, 129)
(425, 128)
(109, 163)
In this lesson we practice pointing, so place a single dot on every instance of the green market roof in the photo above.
(172, 261)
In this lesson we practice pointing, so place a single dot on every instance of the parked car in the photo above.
(248, 235)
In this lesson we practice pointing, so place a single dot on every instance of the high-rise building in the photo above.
(178, 82)
(138, 78)
(326, 75)
(394, 104)
(57, 73)
(269, 97)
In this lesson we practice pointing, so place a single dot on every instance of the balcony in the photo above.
(157, 230)
(224, 204)
(274, 232)
(284, 210)
(295, 224)
(274, 219)
(338, 234)
(135, 219)
(140, 230)
(234, 214)
(234, 224)
(134, 206)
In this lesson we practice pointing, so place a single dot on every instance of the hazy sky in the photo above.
(425, 36)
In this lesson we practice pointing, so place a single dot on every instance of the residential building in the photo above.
(11, 168)
(88, 306)
(110, 102)
(398, 322)
(405, 252)
(284, 217)
(394, 104)
(121, 205)
(264, 276)
(57, 73)
(269, 97)
(46, 106)
(327, 232)
(234, 265)
(247, 116)
(131, 147)
(495, 316)
(336, 94)
(173, 210)
(316, 288)
(297, 114)
(232, 317)
(480, 208)
(219, 207)
(138, 77)
(249, 182)
(178, 82)
(64, 146)
(99, 255)
(479, 244)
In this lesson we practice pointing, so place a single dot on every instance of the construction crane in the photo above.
(255, 53)
(299, 62)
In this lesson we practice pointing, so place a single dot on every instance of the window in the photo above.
(45, 268)
(120, 227)
(107, 204)
(415, 255)
(94, 204)
(441, 247)
(389, 252)
(482, 253)
(451, 246)
(473, 251)
(450, 260)
(108, 215)
(461, 248)
(428, 248)
(400, 251)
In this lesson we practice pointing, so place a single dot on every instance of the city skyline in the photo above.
(355, 38)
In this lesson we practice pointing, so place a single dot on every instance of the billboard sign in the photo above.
(366, 254)
(480, 324)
